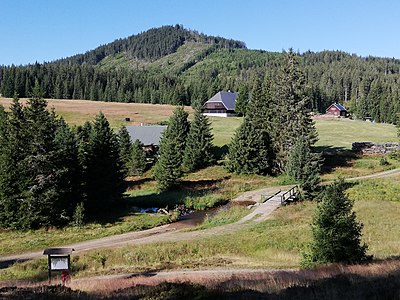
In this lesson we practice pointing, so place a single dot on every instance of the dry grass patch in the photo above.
(228, 279)
(76, 112)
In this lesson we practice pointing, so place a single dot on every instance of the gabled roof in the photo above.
(338, 106)
(227, 99)
(147, 135)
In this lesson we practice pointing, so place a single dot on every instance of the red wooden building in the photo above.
(336, 110)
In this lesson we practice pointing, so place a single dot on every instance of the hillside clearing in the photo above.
(332, 132)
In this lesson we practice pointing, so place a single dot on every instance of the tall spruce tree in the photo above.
(168, 168)
(242, 100)
(178, 129)
(68, 168)
(336, 232)
(199, 143)
(13, 177)
(250, 151)
(103, 170)
(41, 204)
(292, 111)
(125, 148)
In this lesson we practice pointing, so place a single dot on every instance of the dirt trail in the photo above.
(169, 233)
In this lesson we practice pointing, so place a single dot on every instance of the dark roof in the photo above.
(57, 251)
(338, 106)
(147, 135)
(227, 99)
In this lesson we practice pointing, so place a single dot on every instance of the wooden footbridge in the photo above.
(284, 197)
(269, 203)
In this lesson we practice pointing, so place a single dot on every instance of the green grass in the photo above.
(275, 243)
(17, 241)
(387, 189)
(332, 133)
(343, 132)
(350, 165)
(200, 190)
(224, 129)
(223, 217)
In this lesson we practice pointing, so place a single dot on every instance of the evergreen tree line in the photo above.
(48, 171)
(185, 147)
(368, 87)
(61, 81)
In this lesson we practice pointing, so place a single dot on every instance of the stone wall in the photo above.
(374, 148)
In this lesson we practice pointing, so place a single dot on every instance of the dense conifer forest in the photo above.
(175, 65)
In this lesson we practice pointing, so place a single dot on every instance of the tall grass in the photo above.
(260, 281)
(223, 217)
(16, 241)
(374, 281)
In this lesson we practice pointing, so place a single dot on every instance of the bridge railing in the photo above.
(290, 194)
(266, 197)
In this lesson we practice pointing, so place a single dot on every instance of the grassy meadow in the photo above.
(339, 133)
(276, 243)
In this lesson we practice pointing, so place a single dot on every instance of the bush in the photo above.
(78, 219)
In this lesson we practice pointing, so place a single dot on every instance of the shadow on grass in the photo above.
(346, 286)
(220, 152)
(334, 157)
(169, 199)
(132, 184)
(7, 263)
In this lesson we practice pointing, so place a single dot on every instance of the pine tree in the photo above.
(178, 129)
(199, 143)
(103, 170)
(250, 151)
(125, 148)
(292, 111)
(336, 232)
(66, 163)
(303, 166)
(242, 100)
(14, 179)
(168, 167)
(137, 164)
(38, 207)
(40, 182)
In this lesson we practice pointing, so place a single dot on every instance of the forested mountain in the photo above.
(175, 65)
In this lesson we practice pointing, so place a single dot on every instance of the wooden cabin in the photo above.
(222, 104)
(337, 110)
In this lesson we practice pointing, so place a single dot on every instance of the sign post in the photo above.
(59, 261)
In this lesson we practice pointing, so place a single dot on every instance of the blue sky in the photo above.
(40, 30)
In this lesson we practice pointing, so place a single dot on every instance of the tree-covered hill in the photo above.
(152, 44)
(175, 65)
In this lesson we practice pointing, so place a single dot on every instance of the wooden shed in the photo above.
(337, 110)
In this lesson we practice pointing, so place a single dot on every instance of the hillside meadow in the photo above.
(332, 132)
(275, 243)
